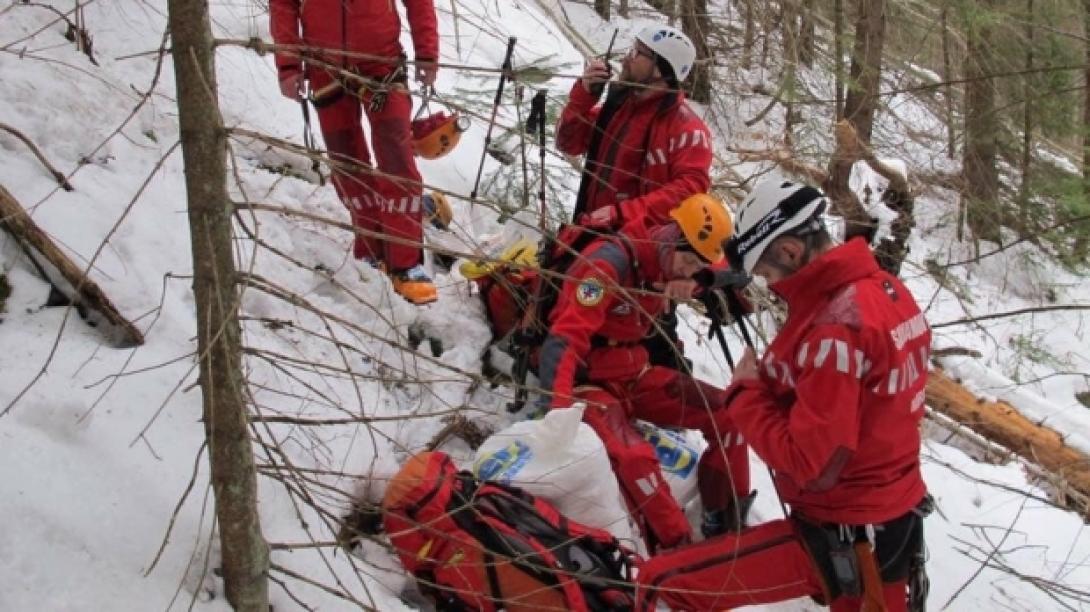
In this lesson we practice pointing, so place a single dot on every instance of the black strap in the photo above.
(590, 167)
(493, 580)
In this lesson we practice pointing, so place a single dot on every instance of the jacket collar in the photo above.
(821, 277)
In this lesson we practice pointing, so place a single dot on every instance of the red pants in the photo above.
(666, 397)
(387, 201)
(765, 564)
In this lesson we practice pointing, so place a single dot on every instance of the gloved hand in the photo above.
(426, 71)
(291, 84)
(716, 306)
(595, 75)
(719, 291)
(604, 219)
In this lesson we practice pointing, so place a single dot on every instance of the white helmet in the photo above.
(672, 45)
(775, 207)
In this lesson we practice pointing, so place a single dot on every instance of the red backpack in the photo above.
(476, 545)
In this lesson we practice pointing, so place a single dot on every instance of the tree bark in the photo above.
(860, 107)
(1001, 423)
(789, 28)
(1082, 244)
(1027, 128)
(807, 33)
(749, 33)
(695, 24)
(979, 157)
(838, 58)
(234, 483)
(947, 77)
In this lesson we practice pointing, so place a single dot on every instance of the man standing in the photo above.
(593, 353)
(833, 407)
(645, 149)
(348, 51)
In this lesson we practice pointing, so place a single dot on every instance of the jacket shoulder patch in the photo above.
(590, 292)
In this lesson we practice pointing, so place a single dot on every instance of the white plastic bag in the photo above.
(678, 453)
(561, 460)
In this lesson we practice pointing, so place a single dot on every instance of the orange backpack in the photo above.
(476, 545)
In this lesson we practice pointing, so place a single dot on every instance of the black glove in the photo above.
(716, 306)
(719, 287)
(722, 279)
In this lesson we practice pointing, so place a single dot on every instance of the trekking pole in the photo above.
(308, 141)
(535, 121)
(520, 92)
(505, 70)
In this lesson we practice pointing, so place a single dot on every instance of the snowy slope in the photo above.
(103, 442)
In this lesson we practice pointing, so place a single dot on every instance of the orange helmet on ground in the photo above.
(706, 224)
(436, 135)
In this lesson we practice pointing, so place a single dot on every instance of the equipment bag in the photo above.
(475, 545)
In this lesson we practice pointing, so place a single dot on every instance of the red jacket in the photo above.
(597, 324)
(654, 152)
(837, 407)
(371, 27)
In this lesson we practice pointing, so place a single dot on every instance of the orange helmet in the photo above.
(436, 135)
(705, 222)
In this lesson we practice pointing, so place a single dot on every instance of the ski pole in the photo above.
(505, 70)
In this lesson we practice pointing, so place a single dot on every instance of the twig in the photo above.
(178, 508)
(57, 174)
(1011, 313)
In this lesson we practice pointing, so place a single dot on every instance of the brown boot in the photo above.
(415, 285)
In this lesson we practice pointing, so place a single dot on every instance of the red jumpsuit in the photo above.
(653, 152)
(387, 201)
(593, 354)
(835, 412)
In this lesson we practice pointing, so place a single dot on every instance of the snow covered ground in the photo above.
(103, 443)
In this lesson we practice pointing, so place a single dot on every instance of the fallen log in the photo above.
(1067, 468)
(65, 276)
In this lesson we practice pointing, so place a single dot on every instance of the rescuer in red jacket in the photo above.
(592, 353)
(833, 407)
(645, 149)
(348, 51)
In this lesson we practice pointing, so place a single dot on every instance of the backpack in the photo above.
(474, 545)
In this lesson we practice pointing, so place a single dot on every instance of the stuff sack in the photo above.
(679, 453)
(560, 459)
(475, 545)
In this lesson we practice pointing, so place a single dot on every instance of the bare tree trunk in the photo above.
(602, 8)
(749, 34)
(838, 60)
(790, 31)
(694, 22)
(866, 71)
(1027, 127)
(622, 8)
(947, 77)
(979, 157)
(1081, 243)
(807, 33)
(234, 482)
(860, 107)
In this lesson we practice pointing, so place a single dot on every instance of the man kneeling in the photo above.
(833, 407)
